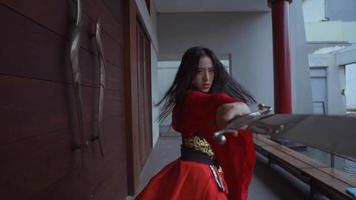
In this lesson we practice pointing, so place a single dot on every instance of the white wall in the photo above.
(344, 10)
(335, 61)
(149, 21)
(335, 81)
(313, 10)
(154, 80)
(301, 87)
(350, 90)
(166, 74)
(331, 31)
(154, 88)
(246, 37)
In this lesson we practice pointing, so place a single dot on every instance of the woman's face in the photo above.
(204, 78)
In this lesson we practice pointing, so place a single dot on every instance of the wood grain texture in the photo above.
(321, 177)
(131, 82)
(58, 15)
(24, 111)
(37, 110)
(36, 163)
(45, 55)
(329, 181)
(35, 131)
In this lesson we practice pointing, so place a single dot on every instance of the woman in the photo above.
(203, 98)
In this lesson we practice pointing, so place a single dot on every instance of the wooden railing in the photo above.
(320, 177)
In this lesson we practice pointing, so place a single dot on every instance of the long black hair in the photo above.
(188, 68)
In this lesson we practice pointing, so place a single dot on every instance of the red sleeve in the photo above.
(237, 156)
(198, 112)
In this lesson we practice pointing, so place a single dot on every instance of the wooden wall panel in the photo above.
(137, 93)
(143, 93)
(109, 190)
(44, 55)
(99, 170)
(69, 187)
(55, 14)
(140, 97)
(63, 12)
(111, 4)
(21, 157)
(101, 176)
(26, 172)
(37, 110)
(34, 102)
(96, 8)
(148, 96)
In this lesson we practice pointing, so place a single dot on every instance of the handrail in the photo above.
(74, 61)
(101, 56)
(322, 104)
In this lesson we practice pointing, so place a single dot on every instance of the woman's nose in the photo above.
(206, 76)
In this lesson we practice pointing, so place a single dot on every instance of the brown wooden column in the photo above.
(131, 83)
(137, 94)
(281, 55)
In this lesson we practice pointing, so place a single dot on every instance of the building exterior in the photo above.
(48, 150)
(331, 36)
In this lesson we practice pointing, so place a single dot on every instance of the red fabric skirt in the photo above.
(181, 180)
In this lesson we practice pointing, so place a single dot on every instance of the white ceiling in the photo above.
(210, 5)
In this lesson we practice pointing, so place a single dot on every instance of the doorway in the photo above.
(318, 76)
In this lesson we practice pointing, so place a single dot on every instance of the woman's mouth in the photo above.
(206, 86)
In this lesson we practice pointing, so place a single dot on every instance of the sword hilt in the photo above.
(240, 121)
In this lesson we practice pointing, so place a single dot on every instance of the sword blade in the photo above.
(330, 133)
(333, 134)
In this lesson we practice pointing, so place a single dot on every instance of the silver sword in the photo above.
(332, 133)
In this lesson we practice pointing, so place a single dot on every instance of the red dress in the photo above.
(193, 180)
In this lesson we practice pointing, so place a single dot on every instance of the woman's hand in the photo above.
(228, 111)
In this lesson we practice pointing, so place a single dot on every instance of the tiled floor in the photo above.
(268, 183)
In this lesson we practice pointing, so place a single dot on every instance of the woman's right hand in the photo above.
(228, 111)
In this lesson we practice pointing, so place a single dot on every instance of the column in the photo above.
(281, 55)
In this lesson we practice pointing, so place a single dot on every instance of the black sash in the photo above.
(189, 154)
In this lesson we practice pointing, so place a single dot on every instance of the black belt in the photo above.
(188, 154)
